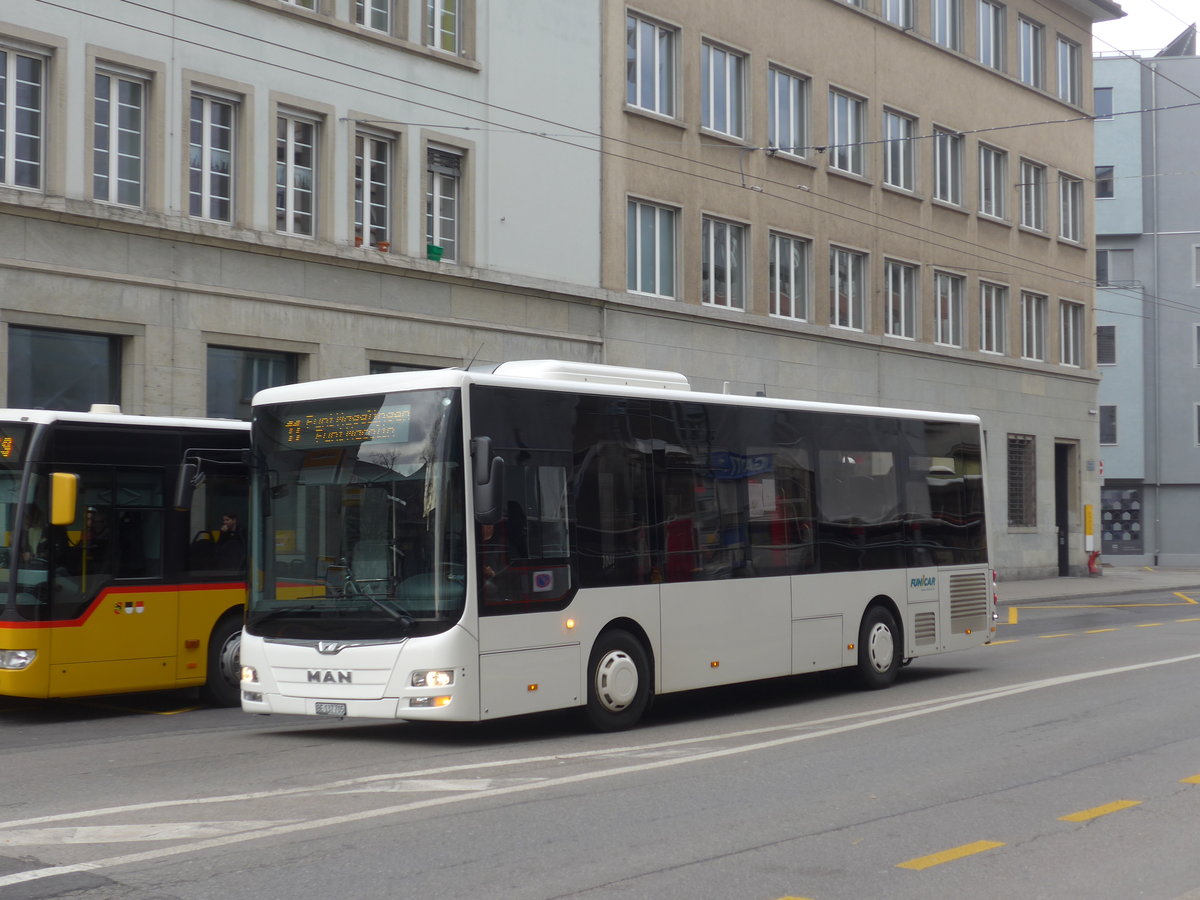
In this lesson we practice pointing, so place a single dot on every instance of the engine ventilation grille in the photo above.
(968, 602)
(925, 628)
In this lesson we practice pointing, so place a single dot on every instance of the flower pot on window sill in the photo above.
(434, 252)
(358, 242)
(383, 246)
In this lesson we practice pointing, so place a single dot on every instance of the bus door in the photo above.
(117, 620)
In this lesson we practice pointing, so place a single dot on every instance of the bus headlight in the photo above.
(249, 673)
(17, 659)
(433, 678)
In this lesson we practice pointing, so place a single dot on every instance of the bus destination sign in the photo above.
(344, 427)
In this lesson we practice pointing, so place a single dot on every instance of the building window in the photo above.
(1114, 267)
(374, 14)
(1101, 268)
(947, 23)
(649, 66)
(847, 289)
(1105, 182)
(210, 159)
(1033, 326)
(1108, 425)
(1070, 208)
(442, 201)
(991, 181)
(721, 84)
(901, 299)
(303, 4)
(650, 249)
(788, 270)
(1102, 102)
(1033, 195)
(1067, 55)
(1031, 50)
(443, 25)
(787, 120)
(71, 370)
(993, 307)
(372, 189)
(1022, 481)
(947, 166)
(382, 367)
(295, 174)
(1106, 345)
(899, 12)
(22, 122)
(898, 134)
(1070, 330)
(948, 290)
(723, 280)
(991, 34)
(847, 117)
(118, 139)
(235, 375)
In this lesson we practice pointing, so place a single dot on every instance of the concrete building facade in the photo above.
(1148, 306)
(200, 200)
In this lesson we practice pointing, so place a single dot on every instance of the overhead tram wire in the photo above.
(875, 216)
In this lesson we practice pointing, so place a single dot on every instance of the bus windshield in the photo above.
(362, 527)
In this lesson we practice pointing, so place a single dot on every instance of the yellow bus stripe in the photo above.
(1086, 815)
(936, 859)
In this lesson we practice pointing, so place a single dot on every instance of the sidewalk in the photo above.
(1115, 580)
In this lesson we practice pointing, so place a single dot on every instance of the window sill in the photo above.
(994, 220)
(722, 136)
(949, 207)
(655, 116)
(849, 176)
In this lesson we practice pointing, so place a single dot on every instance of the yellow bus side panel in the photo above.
(199, 608)
(33, 681)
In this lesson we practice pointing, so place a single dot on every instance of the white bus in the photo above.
(462, 545)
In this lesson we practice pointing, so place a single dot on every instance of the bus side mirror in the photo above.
(64, 493)
(190, 477)
(488, 481)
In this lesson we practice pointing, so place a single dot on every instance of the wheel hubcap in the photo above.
(880, 648)
(616, 680)
(229, 659)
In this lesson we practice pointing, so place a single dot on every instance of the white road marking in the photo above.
(433, 785)
(895, 714)
(120, 834)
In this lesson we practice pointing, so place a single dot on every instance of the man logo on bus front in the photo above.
(330, 648)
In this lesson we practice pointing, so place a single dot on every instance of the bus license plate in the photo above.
(331, 709)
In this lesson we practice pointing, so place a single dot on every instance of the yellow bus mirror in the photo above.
(64, 492)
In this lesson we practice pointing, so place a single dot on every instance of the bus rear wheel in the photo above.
(879, 649)
(618, 689)
(223, 686)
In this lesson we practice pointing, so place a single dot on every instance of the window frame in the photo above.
(1033, 195)
(727, 118)
(289, 191)
(851, 265)
(436, 183)
(948, 166)
(1031, 52)
(635, 263)
(1033, 325)
(107, 154)
(1102, 91)
(665, 73)
(1108, 356)
(1070, 208)
(723, 239)
(1106, 182)
(369, 193)
(798, 275)
(898, 13)
(366, 11)
(899, 150)
(1070, 330)
(990, 27)
(847, 132)
(10, 163)
(901, 290)
(993, 318)
(435, 14)
(792, 108)
(946, 23)
(993, 182)
(113, 364)
(1021, 478)
(1068, 63)
(949, 291)
(1107, 415)
(206, 148)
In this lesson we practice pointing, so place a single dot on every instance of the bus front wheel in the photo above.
(879, 650)
(223, 686)
(618, 682)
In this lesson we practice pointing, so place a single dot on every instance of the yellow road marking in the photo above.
(1086, 815)
(1100, 631)
(1148, 625)
(995, 643)
(1012, 615)
(1195, 779)
(1193, 619)
(1186, 597)
(112, 707)
(936, 859)
(1046, 636)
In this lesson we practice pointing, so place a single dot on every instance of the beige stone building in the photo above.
(881, 203)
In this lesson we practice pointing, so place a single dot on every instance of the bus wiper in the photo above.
(354, 589)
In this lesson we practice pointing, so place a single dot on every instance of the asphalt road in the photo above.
(1062, 761)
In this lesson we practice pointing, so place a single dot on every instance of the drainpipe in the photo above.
(1155, 375)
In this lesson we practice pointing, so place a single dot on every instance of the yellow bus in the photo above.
(106, 587)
